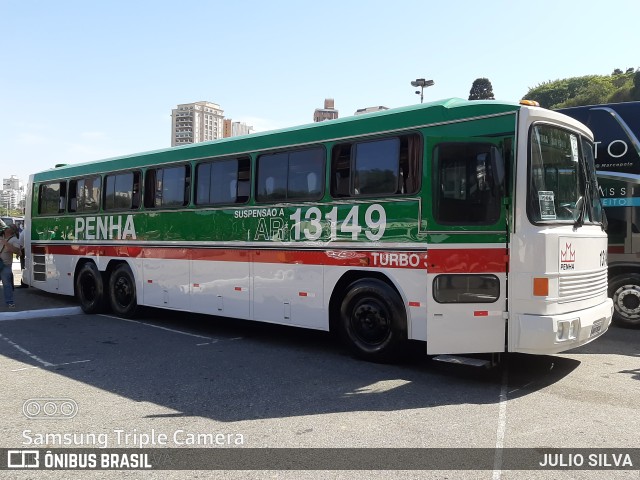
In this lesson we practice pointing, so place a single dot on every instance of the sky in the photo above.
(85, 80)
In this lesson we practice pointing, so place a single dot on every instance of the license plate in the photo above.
(596, 328)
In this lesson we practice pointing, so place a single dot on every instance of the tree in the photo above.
(635, 90)
(481, 90)
(617, 71)
(586, 90)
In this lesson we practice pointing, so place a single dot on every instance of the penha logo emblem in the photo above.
(567, 258)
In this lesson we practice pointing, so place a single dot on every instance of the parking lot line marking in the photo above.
(158, 326)
(51, 366)
(43, 313)
(502, 425)
(27, 352)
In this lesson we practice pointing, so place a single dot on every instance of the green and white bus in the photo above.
(473, 226)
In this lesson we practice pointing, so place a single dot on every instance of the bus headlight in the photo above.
(574, 328)
(561, 329)
(567, 330)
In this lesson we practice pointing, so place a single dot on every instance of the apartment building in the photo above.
(196, 122)
(235, 129)
(13, 193)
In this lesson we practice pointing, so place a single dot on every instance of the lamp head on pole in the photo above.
(421, 82)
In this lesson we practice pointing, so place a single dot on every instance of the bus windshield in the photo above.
(562, 180)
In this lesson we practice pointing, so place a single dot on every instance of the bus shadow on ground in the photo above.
(229, 370)
(616, 340)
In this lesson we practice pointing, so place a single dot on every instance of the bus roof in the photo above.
(413, 116)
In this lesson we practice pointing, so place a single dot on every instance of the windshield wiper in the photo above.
(583, 209)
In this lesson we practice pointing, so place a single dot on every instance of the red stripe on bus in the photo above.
(449, 260)
(481, 313)
(616, 249)
(472, 260)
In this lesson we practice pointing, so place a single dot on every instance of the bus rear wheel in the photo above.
(122, 292)
(373, 320)
(89, 287)
(625, 293)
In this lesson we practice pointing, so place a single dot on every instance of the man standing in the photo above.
(9, 247)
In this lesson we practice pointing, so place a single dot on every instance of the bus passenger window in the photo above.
(287, 176)
(51, 198)
(390, 166)
(84, 195)
(167, 187)
(121, 190)
(222, 181)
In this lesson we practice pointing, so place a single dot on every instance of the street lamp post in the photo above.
(421, 82)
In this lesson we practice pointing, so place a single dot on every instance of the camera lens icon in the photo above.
(50, 408)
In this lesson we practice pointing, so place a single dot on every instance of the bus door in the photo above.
(467, 235)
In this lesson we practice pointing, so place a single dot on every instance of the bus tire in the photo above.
(373, 321)
(89, 289)
(624, 290)
(122, 292)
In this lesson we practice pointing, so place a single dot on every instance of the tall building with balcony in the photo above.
(196, 122)
(327, 113)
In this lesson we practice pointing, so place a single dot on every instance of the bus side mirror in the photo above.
(497, 169)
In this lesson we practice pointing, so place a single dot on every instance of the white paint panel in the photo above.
(275, 285)
(166, 283)
(220, 288)
(454, 328)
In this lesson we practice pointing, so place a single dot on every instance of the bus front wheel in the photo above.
(625, 293)
(122, 292)
(90, 289)
(373, 320)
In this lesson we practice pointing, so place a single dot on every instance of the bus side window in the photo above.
(150, 188)
(135, 197)
(167, 187)
(51, 198)
(463, 190)
(73, 196)
(383, 167)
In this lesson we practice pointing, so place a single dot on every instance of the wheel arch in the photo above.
(626, 268)
(340, 290)
(106, 273)
(79, 265)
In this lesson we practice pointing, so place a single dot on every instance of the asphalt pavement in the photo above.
(32, 302)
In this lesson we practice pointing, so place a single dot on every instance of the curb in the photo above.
(47, 312)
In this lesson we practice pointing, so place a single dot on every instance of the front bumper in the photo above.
(540, 334)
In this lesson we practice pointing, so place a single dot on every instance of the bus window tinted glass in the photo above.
(287, 176)
(462, 288)
(120, 190)
(463, 192)
(51, 199)
(306, 172)
(272, 177)
(86, 197)
(377, 167)
(167, 187)
(220, 182)
(392, 166)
